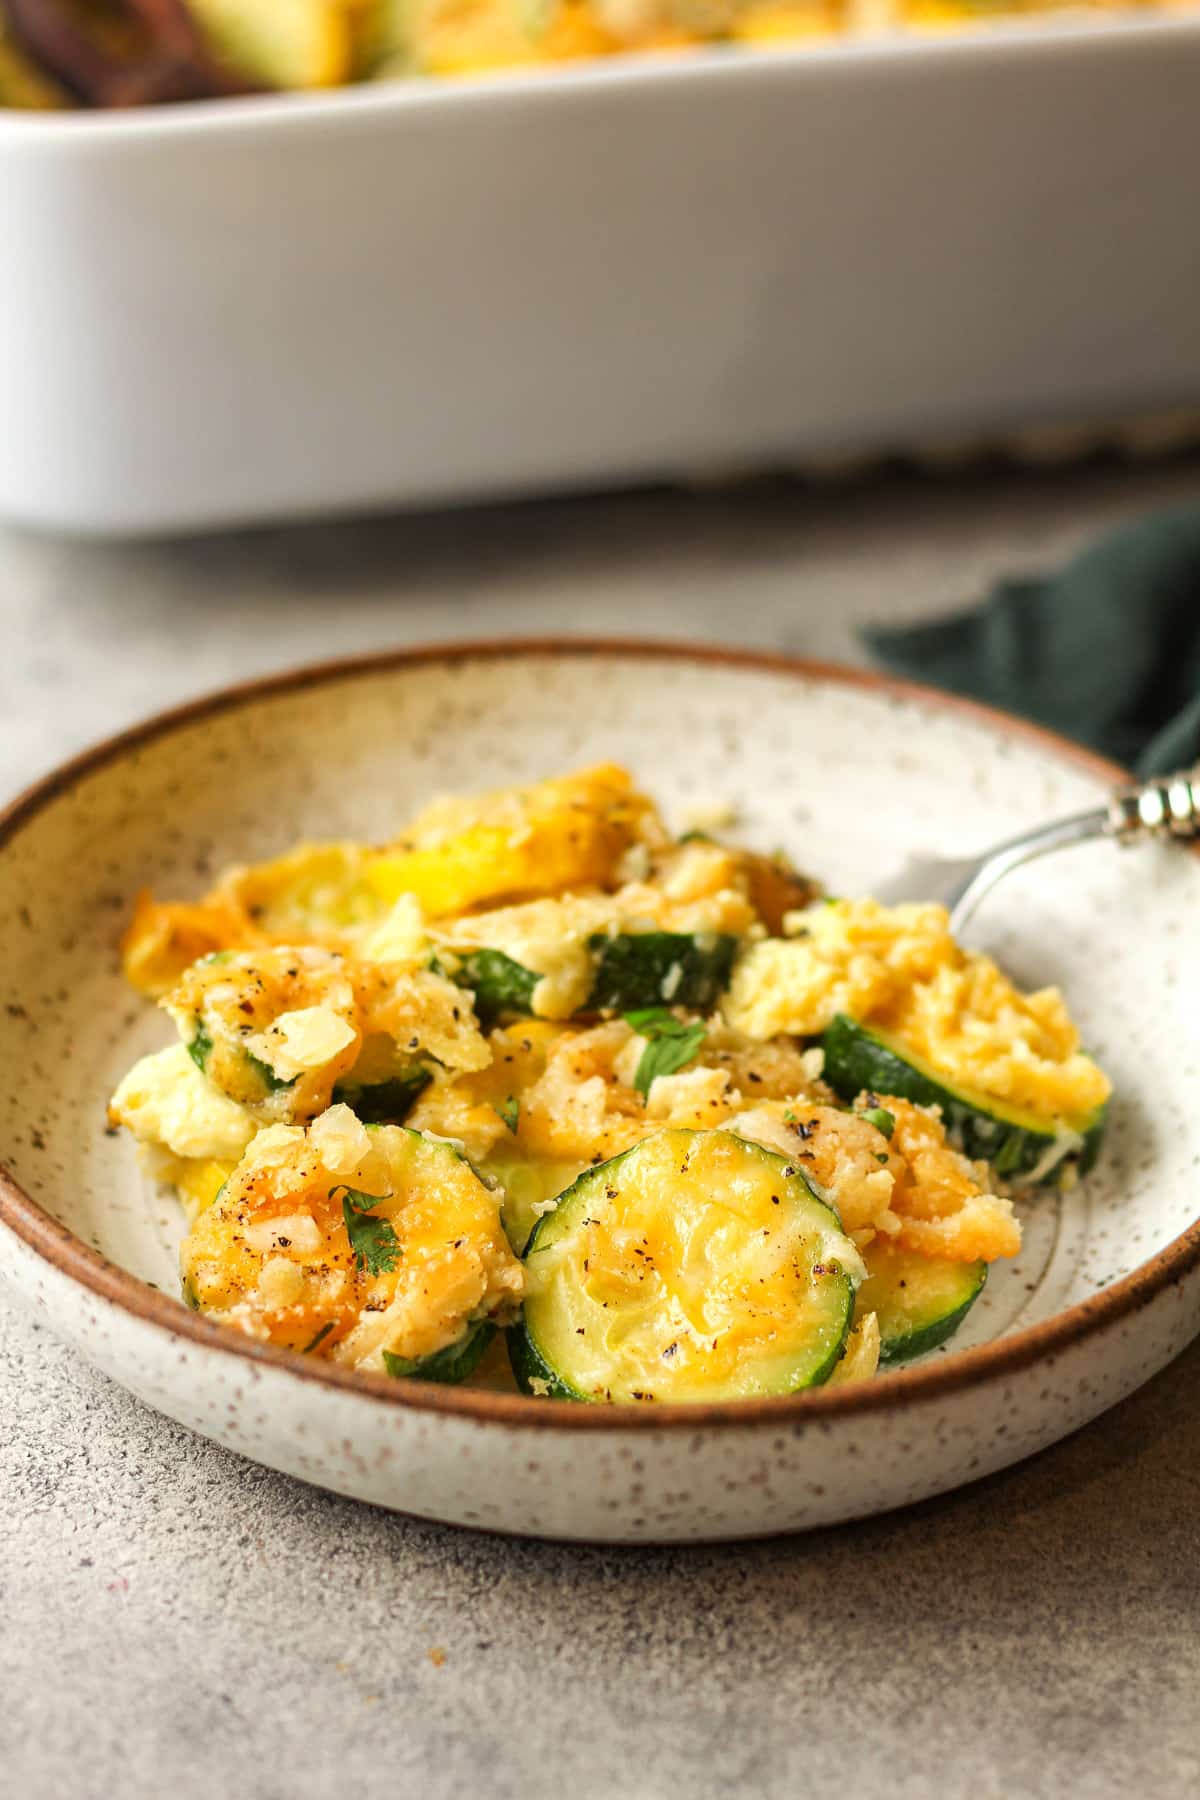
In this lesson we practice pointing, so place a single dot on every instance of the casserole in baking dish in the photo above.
(415, 291)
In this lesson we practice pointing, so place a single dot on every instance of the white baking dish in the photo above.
(430, 292)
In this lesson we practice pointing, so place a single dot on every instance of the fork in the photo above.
(1165, 808)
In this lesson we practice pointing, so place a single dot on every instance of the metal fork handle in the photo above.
(1165, 808)
(1169, 807)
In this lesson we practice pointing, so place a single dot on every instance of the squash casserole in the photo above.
(648, 1112)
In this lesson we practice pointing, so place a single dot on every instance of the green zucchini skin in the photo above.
(529, 1366)
(272, 1083)
(633, 969)
(384, 1102)
(918, 1301)
(537, 1372)
(859, 1060)
(660, 968)
(200, 1048)
(451, 1365)
(499, 984)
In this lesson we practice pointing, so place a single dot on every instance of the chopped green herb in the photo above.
(510, 1111)
(374, 1243)
(790, 1117)
(670, 1043)
(655, 1022)
(200, 1048)
(881, 1119)
(881, 1156)
(356, 1200)
(319, 1339)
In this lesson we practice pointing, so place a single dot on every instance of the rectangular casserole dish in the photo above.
(430, 292)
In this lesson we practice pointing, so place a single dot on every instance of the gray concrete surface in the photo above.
(177, 1623)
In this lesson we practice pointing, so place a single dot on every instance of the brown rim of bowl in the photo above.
(1003, 1357)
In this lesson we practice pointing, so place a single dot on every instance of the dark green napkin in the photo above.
(1107, 650)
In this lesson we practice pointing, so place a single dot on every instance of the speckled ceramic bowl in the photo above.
(846, 771)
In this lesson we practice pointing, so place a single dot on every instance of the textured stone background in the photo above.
(175, 1622)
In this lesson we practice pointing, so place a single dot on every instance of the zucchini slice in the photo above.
(661, 968)
(528, 1185)
(294, 1254)
(384, 1102)
(861, 1058)
(498, 982)
(695, 1266)
(451, 1365)
(919, 1301)
(632, 969)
